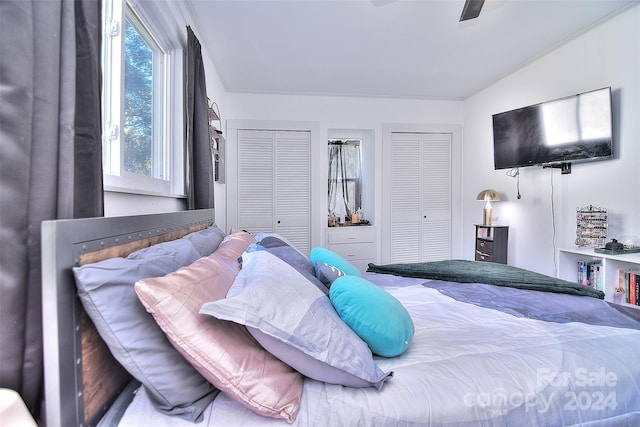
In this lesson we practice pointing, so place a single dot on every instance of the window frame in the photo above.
(169, 108)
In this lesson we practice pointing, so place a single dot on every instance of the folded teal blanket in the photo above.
(465, 271)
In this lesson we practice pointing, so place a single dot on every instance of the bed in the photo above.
(463, 352)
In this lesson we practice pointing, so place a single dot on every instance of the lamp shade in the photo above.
(489, 195)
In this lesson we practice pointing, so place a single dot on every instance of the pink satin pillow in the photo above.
(223, 352)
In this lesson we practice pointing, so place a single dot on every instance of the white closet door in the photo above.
(436, 197)
(420, 197)
(293, 187)
(274, 184)
(406, 206)
(255, 180)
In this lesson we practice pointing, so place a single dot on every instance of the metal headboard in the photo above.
(81, 377)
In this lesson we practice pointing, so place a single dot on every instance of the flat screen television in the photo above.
(572, 129)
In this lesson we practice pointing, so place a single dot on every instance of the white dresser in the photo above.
(356, 244)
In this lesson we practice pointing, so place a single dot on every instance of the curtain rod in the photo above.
(345, 141)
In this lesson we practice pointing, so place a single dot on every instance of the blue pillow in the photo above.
(373, 314)
(332, 258)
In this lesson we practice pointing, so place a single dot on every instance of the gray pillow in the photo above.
(327, 273)
(206, 241)
(292, 256)
(296, 322)
(106, 290)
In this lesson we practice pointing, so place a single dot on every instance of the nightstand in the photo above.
(492, 243)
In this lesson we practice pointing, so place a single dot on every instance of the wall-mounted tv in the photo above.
(562, 131)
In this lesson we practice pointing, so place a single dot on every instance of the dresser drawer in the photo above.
(356, 244)
(358, 254)
(363, 264)
(354, 234)
(353, 251)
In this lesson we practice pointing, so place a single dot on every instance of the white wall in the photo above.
(607, 55)
(217, 94)
(330, 113)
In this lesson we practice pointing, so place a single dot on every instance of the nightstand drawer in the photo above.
(484, 246)
(353, 234)
(483, 256)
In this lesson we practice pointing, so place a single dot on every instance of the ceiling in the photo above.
(383, 48)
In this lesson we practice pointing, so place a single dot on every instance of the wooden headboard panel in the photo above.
(82, 379)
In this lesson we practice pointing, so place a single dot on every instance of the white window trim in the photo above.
(171, 39)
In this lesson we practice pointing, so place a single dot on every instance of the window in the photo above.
(142, 100)
(142, 71)
(345, 177)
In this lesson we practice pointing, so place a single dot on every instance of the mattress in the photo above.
(470, 363)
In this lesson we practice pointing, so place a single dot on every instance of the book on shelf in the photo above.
(629, 282)
(589, 273)
(484, 233)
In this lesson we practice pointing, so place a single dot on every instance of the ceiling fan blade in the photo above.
(471, 9)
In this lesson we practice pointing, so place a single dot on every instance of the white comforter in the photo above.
(471, 366)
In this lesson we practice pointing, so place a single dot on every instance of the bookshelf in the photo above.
(609, 270)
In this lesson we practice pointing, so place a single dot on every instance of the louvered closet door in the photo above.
(420, 197)
(436, 197)
(274, 184)
(255, 180)
(292, 189)
(406, 202)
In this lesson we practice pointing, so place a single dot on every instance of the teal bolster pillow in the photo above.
(373, 314)
(332, 258)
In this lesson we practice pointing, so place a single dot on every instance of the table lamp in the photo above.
(488, 196)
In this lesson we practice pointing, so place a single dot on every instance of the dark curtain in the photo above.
(50, 160)
(199, 156)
